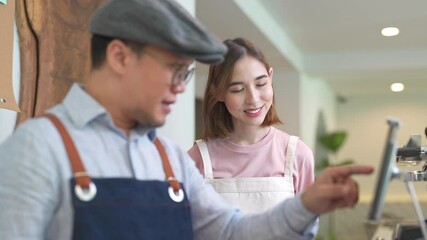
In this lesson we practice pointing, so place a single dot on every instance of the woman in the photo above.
(252, 164)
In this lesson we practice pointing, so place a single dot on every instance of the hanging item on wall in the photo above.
(7, 98)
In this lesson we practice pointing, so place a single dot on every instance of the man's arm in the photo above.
(334, 188)
(26, 189)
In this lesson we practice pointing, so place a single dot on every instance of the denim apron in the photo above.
(126, 208)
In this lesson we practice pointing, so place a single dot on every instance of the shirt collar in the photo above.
(82, 108)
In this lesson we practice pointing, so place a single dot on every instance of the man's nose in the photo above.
(179, 88)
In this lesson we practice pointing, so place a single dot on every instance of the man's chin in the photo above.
(152, 123)
(159, 123)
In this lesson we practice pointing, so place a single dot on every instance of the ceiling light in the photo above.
(397, 87)
(390, 31)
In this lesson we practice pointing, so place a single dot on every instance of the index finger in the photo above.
(347, 170)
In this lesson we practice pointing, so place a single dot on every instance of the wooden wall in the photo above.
(54, 50)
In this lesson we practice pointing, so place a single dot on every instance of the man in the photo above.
(94, 168)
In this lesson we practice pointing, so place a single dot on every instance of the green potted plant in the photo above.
(332, 143)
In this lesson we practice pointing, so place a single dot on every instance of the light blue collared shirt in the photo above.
(35, 201)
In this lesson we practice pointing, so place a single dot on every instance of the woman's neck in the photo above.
(248, 135)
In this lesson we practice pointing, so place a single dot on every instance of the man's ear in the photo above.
(117, 55)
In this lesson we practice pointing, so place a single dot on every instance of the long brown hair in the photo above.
(217, 120)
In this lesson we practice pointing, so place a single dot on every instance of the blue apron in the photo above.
(126, 208)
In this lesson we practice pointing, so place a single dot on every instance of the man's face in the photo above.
(147, 82)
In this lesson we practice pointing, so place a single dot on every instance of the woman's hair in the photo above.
(217, 120)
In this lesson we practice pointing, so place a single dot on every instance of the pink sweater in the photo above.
(265, 158)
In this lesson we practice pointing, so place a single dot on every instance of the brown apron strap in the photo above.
(80, 174)
(79, 171)
(173, 182)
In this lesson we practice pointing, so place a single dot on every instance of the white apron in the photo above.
(253, 194)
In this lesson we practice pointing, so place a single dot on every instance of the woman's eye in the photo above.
(236, 90)
(261, 84)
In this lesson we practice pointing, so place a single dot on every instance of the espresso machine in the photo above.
(411, 155)
(414, 154)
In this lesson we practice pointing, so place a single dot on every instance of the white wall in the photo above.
(287, 96)
(180, 124)
(364, 117)
(8, 117)
(315, 96)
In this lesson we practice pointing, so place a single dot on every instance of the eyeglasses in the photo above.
(182, 73)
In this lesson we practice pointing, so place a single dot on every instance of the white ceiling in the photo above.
(338, 41)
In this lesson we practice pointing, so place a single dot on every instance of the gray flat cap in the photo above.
(163, 23)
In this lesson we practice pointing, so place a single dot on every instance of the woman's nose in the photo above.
(251, 95)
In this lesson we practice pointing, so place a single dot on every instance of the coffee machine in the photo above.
(411, 154)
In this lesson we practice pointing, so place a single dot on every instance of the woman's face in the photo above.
(250, 93)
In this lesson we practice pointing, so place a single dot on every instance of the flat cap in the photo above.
(163, 23)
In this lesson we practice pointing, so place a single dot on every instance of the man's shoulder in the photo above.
(169, 143)
(35, 125)
(174, 148)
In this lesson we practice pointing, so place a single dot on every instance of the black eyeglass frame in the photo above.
(180, 76)
(182, 72)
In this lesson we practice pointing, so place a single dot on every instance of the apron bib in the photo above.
(253, 194)
(126, 208)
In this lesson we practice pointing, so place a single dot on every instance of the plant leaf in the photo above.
(333, 141)
(345, 162)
